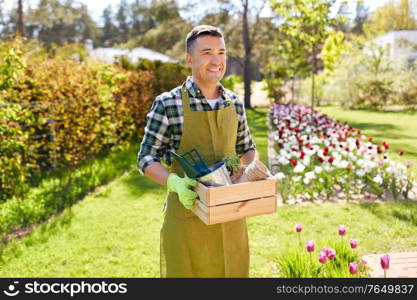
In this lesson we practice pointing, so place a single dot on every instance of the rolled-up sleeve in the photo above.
(244, 141)
(156, 138)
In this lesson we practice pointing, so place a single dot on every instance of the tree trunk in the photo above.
(20, 26)
(246, 61)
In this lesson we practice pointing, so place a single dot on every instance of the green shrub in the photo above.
(57, 112)
(231, 81)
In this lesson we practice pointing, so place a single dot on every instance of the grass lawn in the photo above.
(114, 232)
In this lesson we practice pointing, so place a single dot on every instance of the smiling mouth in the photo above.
(214, 70)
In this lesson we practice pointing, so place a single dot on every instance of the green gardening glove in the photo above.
(181, 186)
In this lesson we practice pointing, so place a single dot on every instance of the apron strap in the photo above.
(185, 98)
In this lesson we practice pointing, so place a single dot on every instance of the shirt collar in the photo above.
(196, 92)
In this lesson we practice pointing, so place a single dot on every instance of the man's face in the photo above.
(208, 59)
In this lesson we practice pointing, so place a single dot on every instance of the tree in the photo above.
(249, 40)
(109, 29)
(395, 15)
(305, 23)
(361, 16)
(60, 22)
(162, 29)
(122, 22)
(20, 25)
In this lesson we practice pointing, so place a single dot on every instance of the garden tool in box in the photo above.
(195, 167)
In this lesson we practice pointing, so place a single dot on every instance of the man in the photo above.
(199, 114)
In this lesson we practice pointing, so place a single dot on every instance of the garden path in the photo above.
(402, 265)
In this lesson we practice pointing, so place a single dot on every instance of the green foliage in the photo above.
(232, 163)
(56, 112)
(296, 262)
(366, 77)
(332, 49)
(394, 15)
(304, 26)
(231, 81)
(11, 63)
(167, 75)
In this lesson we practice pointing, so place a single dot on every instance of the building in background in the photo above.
(402, 45)
(111, 55)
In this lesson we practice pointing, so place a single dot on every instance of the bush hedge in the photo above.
(57, 112)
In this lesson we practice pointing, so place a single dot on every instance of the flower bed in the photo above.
(319, 157)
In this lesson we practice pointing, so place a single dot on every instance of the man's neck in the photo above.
(209, 90)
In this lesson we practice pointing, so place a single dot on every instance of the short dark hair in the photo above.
(199, 31)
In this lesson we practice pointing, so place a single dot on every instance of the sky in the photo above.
(96, 7)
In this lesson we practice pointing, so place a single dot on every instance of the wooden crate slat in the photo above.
(236, 192)
(234, 211)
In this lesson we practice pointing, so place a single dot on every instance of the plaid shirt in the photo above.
(164, 126)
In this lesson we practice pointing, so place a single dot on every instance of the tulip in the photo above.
(342, 230)
(323, 258)
(298, 227)
(401, 153)
(310, 246)
(353, 268)
(385, 263)
(353, 244)
(331, 253)
(362, 262)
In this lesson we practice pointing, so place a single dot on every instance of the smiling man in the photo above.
(198, 114)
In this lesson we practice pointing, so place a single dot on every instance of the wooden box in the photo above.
(233, 202)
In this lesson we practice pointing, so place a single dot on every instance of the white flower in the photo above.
(378, 179)
(318, 169)
(279, 175)
(299, 168)
(360, 172)
(297, 178)
(283, 161)
(306, 181)
(310, 175)
(343, 164)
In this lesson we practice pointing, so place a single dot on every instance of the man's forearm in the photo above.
(157, 173)
(248, 157)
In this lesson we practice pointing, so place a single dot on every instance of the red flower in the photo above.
(320, 159)
(294, 162)
(347, 149)
(331, 159)
(370, 139)
(401, 153)
(378, 149)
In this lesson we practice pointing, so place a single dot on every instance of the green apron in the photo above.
(189, 248)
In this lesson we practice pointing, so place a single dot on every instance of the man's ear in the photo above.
(188, 58)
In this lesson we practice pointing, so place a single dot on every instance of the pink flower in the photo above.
(353, 268)
(362, 262)
(342, 230)
(385, 261)
(310, 246)
(298, 227)
(409, 164)
(353, 244)
(331, 253)
(323, 257)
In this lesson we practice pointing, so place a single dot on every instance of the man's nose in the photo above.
(216, 58)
